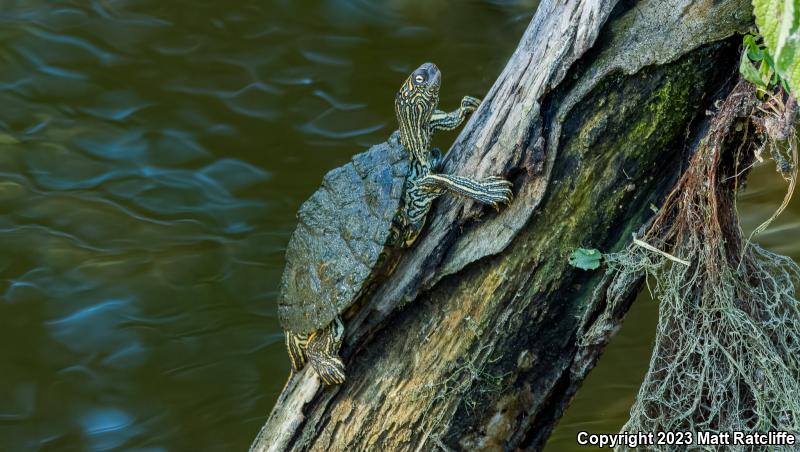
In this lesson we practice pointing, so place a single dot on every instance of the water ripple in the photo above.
(152, 158)
(334, 124)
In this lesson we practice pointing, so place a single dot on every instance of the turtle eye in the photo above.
(419, 79)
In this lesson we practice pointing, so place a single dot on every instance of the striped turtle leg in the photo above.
(441, 120)
(417, 205)
(323, 353)
(490, 190)
(296, 345)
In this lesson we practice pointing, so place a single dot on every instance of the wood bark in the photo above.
(483, 332)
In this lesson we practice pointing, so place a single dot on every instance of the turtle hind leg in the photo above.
(296, 346)
(323, 353)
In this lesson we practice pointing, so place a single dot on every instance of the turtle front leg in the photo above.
(423, 191)
(296, 345)
(441, 120)
(323, 353)
(490, 190)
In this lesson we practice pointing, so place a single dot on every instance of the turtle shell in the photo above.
(341, 233)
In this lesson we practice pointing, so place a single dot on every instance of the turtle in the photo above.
(364, 210)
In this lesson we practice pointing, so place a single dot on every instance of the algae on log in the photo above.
(483, 333)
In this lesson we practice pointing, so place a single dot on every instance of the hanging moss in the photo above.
(727, 352)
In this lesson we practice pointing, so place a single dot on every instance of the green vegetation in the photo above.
(765, 76)
(779, 23)
(776, 52)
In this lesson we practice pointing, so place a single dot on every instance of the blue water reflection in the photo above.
(152, 158)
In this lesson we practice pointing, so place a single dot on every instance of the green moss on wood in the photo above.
(614, 156)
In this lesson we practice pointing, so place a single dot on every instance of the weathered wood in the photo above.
(483, 333)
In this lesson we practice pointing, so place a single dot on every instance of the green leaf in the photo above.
(779, 23)
(749, 72)
(754, 51)
(766, 72)
(585, 259)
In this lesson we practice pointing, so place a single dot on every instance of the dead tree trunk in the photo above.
(483, 333)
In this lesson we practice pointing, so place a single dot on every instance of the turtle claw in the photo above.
(497, 191)
(470, 103)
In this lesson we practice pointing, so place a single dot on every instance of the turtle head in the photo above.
(415, 103)
(422, 86)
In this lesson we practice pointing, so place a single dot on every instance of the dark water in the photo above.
(152, 158)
